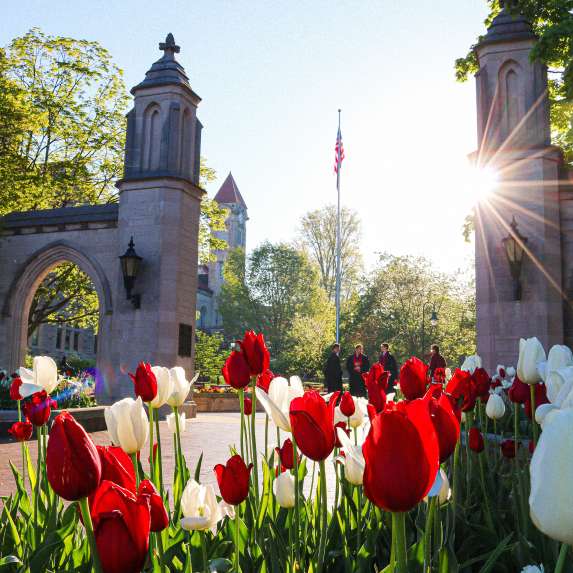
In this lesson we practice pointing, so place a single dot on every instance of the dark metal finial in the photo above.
(169, 47)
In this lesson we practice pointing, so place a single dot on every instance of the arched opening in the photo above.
(151, 139)
(24, 336)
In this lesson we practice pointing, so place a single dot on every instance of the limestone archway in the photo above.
(19, 297)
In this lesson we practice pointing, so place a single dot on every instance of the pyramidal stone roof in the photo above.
(229, 193)
(508, 26)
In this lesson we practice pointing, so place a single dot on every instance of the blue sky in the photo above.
(272, 76)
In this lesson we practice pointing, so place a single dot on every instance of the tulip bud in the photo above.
(471, 363)
(509, 448)
(283, 488)
(233, 480)
(347, 406)
(248, 406)
(255, 352)
(43, 376)
(127, 424)
(200, 508)
(236, 371)
(170, 419)
(181, 386)
(531, 354)
(164, 386)
(559, 357)
(510, 372)
(145, 382)
(476, 442)
(495, 408)
(73, 464)
(441, 488)
(21, 431)
(39, 408)
(15, 389)
(286, 454)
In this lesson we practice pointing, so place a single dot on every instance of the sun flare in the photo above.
(483, 182)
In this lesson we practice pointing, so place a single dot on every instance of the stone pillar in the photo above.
(160, 208)
(514, 140)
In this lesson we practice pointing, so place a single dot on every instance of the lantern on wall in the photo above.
(514, 245)
(130, 263)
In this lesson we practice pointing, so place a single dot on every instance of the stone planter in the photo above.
(219, 402)
(92, 419)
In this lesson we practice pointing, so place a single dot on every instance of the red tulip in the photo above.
(248, 406)
(286, 454)
(519, 391)
(540, 398)
(462, 386)
(39, 408)
(121, 524)
(233, 479)
(413, 378)
(342, 426)
(145, 382)
(376, 382)
(117, 467)
(73, 464)
(371, 409)
(509, 448)
(482, 381)
(21, 431)
(439, 375)
(502, 373)
(264, 380)
(256, 353)
(159, 517)
(476, 442)
(347, 406)
(446, 424)
(312, 423)
(15, 389)
(401, 456)
(236, 370)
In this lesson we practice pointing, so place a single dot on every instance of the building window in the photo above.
(185, 339)
(76, 339)
(34, 339)
(95, 343)
(59, 333)
(67, 338)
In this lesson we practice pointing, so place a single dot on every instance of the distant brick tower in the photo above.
(229, 197)
(514, 140)
(160, 208)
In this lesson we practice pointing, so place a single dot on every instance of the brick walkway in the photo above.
(210, 433)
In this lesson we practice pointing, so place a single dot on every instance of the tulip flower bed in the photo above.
(418, 488)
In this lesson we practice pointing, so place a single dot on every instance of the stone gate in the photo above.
(159, 207)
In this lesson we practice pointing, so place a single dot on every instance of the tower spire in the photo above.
(169, 47)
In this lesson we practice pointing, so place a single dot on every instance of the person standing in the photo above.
(356, 365)
(389, 364)
(333, 370)
(436, 361)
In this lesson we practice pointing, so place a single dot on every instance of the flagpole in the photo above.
(337, 293)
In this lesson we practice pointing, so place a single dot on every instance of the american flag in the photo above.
(338, 151)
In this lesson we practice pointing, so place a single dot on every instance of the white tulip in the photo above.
(531, 355)
(283, 488)
(533, 569)
(559, 356)
(551, 469)
(181, 386)
(543, 413)
(353, 459)
(277, 402)
(448, 374)
(127, 424)
(43, 376)
(360, 413)
(200, 508)
(471, 363)
(510, 372)
(164, 386)
(495, 408)
(441, 488)
(559, 384)
(170, 419)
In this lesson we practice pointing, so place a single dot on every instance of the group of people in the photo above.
(358, 364)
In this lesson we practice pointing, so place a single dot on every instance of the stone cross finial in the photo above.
(169, 47)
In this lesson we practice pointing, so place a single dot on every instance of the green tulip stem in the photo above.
(22, 446)
(279, 464)
(135, 467)
(359, 521)
(296, 503)
(159, 458)
(237, 566)
(254, 461)
(179, 453)
(38, 480)
(242, 405)
(562, 558)
(399, 524)
(151, 472)
(19, 410)
(312, 477)
(515, 421)
(204, 551)
(84, 507)
(533, 422)
(430, 510)
(189, 569)
(266, 434)
(488, 516)
(324, 517)
(456, 479)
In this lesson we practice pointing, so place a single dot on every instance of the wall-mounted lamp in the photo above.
(130, 262)
(514, 245)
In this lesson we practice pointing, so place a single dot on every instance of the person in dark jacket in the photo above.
(357, 364)
(436, 361)
(333, 370)
(389, 364)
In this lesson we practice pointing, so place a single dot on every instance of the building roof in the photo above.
(229, 193)
(508, 26)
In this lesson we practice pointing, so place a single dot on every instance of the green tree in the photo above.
(317, 237)
(209, 355)
(397, 294)
(275, 292)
